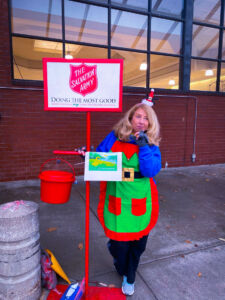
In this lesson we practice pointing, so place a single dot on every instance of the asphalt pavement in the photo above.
(185, 255)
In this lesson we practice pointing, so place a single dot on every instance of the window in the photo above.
(147, 35)
(223, 49)
(37, 18)
(85, 23)
(134, 74)
(222, 78)
(135, 4)
(164, 71)
(203, 75)
(207, 50)
(207, 11)
(165, 36)
(128, 30)
(28, 54)
(81, 51)
(172, 8)
(205, 41)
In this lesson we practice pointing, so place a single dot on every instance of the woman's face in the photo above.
(139, 120)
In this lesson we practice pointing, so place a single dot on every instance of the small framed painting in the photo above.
(103, 166)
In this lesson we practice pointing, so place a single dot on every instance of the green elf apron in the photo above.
(128, 210)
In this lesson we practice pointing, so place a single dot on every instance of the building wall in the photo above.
(28, 134)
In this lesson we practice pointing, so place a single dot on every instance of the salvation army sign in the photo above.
(83, 79)
(83, 84)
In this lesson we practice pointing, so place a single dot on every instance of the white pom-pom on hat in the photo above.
(149, 100)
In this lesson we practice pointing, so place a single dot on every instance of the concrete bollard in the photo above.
(20, 271)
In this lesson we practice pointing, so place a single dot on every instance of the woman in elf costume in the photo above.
(128, 209)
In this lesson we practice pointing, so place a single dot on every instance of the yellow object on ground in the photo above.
(56, 266)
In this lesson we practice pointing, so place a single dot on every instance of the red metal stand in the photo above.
(88, 138)
(92, 292)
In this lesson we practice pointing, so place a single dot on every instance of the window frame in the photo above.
(185, 56)
(219, 59)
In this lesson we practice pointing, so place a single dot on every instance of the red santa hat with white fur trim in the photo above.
(149, 100)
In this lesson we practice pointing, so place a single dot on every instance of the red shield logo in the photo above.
(83, 79)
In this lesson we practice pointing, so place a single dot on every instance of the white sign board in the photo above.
(103, 166)
(83, 84)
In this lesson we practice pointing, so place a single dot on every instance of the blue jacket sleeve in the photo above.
(149, 160)
(107, 143)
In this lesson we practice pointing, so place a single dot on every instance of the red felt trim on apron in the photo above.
(128, 149)
(130, 236)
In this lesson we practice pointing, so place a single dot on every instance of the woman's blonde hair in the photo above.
(123, 129)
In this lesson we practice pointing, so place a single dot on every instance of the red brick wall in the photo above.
(177, 121)
(28, 134)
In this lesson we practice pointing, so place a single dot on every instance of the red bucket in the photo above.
(55, 184)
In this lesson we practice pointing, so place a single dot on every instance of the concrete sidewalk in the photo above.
(185, 257)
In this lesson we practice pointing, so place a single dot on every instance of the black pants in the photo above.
(127, 256)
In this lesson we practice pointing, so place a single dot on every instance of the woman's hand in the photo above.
(141, 138)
